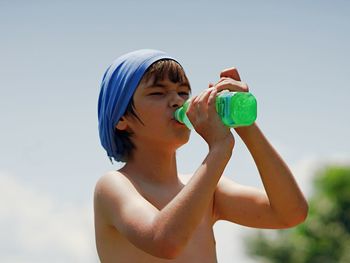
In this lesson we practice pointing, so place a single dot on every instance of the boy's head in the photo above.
(116, 95)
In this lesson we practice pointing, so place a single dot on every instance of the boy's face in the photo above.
(155, 104)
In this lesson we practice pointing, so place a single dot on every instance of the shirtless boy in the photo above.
(146, 211)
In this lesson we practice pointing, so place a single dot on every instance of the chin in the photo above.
(181, 140)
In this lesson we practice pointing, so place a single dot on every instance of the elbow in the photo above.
(168, 249)
(297, 216)
(168, 241)
(160, 247)
(303, 212)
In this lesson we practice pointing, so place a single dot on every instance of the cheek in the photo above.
(151, 111)
(147, 115)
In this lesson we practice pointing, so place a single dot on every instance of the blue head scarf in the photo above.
(117, 88)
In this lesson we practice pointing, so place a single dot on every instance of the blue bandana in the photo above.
(117, 88)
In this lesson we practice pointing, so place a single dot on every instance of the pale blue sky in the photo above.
(294, 57)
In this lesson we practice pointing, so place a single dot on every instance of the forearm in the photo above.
(284, 195)
(181, 216)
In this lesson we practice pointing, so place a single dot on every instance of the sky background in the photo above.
(294, 55)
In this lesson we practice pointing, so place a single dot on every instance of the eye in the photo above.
(156, 93)
(184, 93)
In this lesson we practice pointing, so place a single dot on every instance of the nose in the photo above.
(176, 101)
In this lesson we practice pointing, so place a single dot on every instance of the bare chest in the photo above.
(116, 248)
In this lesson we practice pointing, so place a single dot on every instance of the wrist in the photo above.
(247, 130)
(223, 147)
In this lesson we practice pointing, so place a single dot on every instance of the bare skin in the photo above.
(113, 246)
(146, 212)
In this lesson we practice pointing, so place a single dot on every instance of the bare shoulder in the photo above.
(117, 200)
(111, 176)
(112, 190)
(115, 186)
(113, 180)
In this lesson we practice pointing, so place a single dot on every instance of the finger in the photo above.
(196, 101)
(232, 85)
(192, 102)
(223, 79)
(230, 73)
(212, 99)
(198, 105)
(203, 97)
(210, 85)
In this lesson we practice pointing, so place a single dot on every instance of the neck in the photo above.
(154, 165)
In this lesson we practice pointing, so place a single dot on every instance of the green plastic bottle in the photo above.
(236, 109)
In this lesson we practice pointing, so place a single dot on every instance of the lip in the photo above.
(177, 122)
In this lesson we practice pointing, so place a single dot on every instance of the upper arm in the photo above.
(244, 205)
(124, 208)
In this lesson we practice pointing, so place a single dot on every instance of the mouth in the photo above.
(177, 122)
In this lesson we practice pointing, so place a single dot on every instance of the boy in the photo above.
(146, 211)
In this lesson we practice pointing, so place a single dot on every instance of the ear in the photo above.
(122, 124)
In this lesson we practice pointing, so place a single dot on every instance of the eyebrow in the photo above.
(160, 85)
(156, 85)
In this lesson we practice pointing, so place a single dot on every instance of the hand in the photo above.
(205, 120)
(202, 112)
(230, 80)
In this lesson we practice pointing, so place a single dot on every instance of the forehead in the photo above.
(152, 82)
(164, 70)
(162, 83)
(144, 83)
